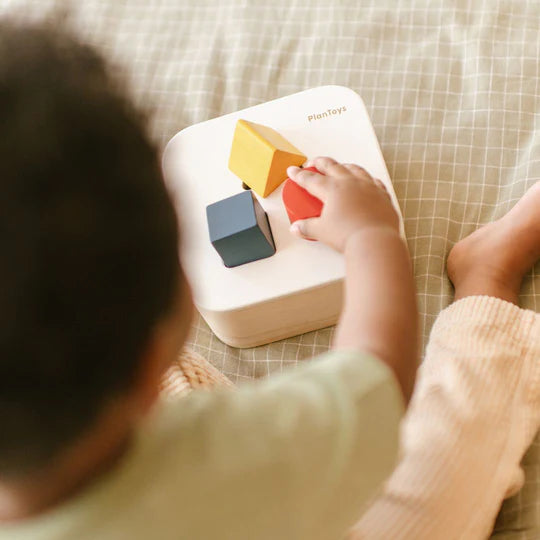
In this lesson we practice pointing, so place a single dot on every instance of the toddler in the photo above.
(94, 308)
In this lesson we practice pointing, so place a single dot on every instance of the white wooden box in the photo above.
(300, 287)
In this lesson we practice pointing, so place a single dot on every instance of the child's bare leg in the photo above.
(493, 260)
(476, 405)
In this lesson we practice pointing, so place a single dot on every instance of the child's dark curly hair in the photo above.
(88, 243)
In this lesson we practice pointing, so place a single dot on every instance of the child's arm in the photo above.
(358, 219)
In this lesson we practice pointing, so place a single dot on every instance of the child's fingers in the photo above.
(313, 182)
(306, 228)
(357, 170)
(362, 173)
(380, 185)
(329, 166)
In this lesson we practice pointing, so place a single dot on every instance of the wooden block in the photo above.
(239, 229)
(299, 203)
(260, 157)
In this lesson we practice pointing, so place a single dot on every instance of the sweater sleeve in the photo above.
(475, 410)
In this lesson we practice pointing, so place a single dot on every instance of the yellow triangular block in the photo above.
(260, 157)
(278, 169)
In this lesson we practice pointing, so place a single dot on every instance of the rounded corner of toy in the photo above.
(171, 144)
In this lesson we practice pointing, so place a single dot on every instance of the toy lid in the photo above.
(328, 120)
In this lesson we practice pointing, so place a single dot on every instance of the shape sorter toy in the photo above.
(239, 229)
(299, 288)
(260, 156)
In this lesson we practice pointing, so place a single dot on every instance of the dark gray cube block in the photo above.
(239, 229)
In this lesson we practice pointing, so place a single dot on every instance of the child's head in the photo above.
(88, 246)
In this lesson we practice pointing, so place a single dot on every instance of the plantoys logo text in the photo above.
(326, 114)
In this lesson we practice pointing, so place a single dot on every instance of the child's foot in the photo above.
(494, 259)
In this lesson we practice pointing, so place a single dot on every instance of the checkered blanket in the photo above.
(452, 89)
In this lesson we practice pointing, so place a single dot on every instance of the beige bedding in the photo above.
(451, 87)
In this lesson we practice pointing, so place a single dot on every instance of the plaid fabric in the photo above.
(451, 87)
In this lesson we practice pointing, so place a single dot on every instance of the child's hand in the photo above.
(352, 199)
(379, 306)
